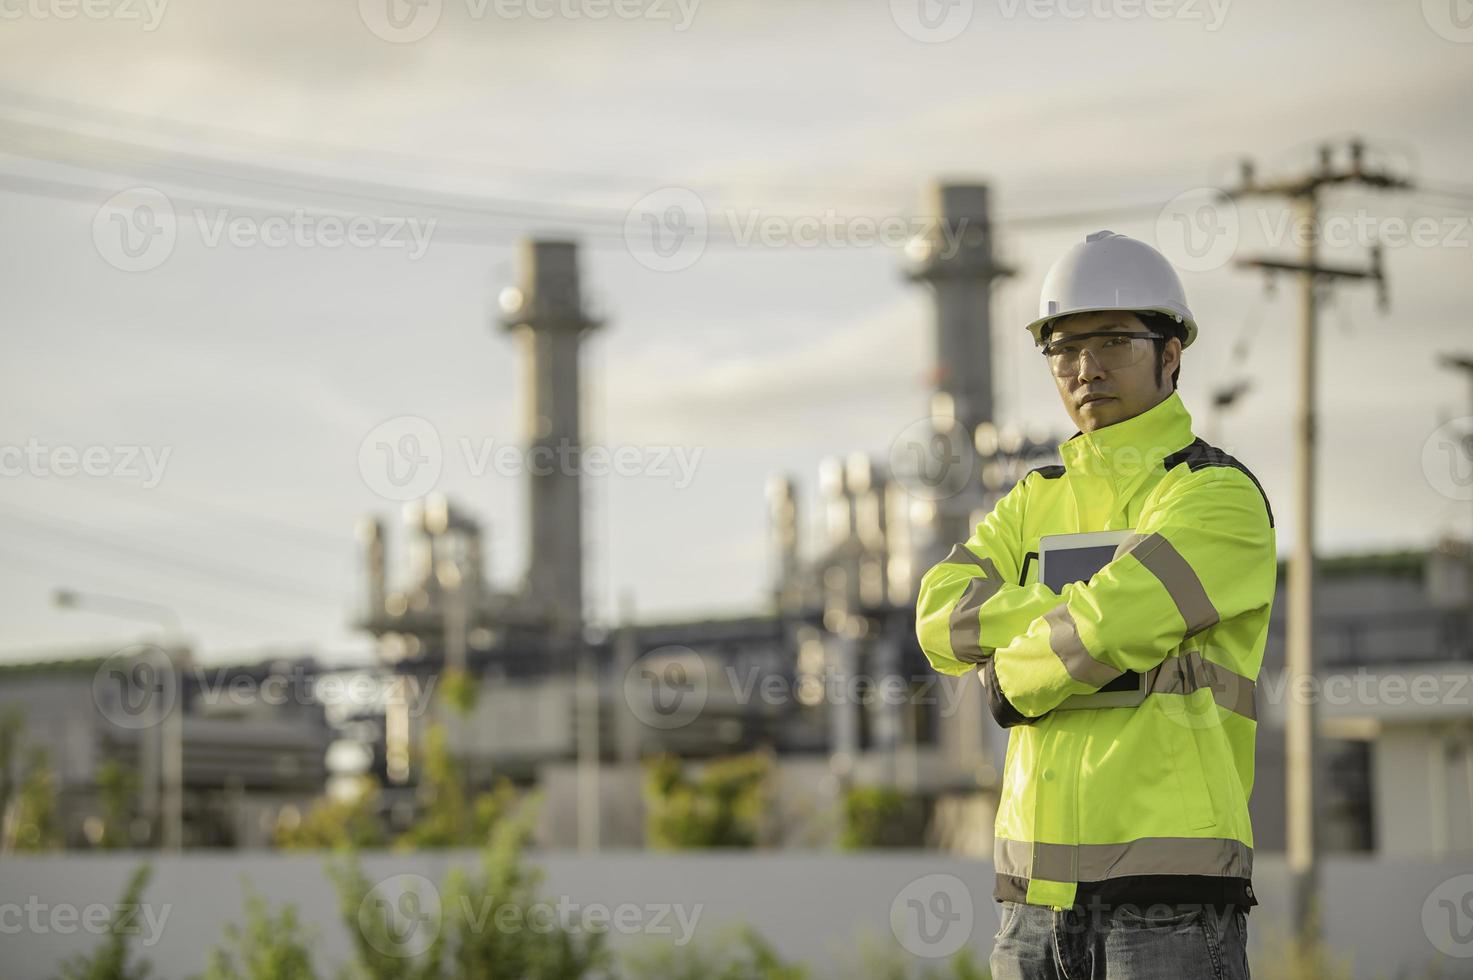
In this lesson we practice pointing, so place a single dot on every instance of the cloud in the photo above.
(854, 374)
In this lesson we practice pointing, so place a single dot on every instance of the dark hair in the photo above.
(1164, 324)
(1168, 327)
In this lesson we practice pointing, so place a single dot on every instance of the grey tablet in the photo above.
(1064, 558)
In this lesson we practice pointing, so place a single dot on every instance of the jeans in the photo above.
(1147, 942)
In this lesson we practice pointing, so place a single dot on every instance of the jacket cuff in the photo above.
(1002, 709)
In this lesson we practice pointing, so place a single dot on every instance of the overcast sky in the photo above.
(231, 383)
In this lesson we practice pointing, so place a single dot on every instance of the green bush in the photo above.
(110, 962)
(448, 817)
(722, 807)
(881, 816)
(117, 789)
(739, 954)
(333, 823)
(270, 947)
(506, 891)
(35, 825)
(459, 691)
(478, 927)
(877, 960)
(381, 950)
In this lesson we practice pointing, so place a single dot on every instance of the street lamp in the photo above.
(161, 746)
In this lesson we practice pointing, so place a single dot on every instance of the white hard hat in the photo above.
(1107, 271)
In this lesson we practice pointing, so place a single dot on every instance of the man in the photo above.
(1123, 841)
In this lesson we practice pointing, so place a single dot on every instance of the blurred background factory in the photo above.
(571, 707)
(485, 443)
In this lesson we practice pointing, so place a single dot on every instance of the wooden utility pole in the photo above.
(1303, 196)
(1464, 363)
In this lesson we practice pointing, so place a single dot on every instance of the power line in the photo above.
(28, 140)
(297, 535)
(55, 573)
(593, 237)
(134, 158)
(91, 114)
(167, 560)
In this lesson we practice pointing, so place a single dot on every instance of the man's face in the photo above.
(1095, 396)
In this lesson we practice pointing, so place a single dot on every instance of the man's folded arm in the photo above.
(1202, 554)
(969, 604)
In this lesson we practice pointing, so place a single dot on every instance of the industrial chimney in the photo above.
(546, 315)
(954, 256)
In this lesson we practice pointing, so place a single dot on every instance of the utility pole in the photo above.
(1303, 194)
(1464, 362)
(589, 747)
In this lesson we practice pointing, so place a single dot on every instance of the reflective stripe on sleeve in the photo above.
(1162, 560)
(1063, 639)
(960, 554)
(964, 623)
(1191, 672)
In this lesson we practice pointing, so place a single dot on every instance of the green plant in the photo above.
(34, 823)
(10, 723)
(737, 954)
(110, 961)
(383, 950)
(447, 818)
(881, 816)
(495, 931)
(337, 822)
(117, 789)
(875, 959)
(721, 807)
(269, 947)
(459, 691)
(491, 924)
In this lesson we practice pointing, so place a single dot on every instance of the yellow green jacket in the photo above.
(1143, 804)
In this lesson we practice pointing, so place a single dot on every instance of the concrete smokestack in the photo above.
(955, 258)
(546, 315)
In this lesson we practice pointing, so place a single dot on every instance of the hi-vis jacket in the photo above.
(1144, 804)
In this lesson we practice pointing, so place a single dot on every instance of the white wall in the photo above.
(1423, 778)
(811, 906)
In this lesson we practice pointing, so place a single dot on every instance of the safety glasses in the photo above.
(1110, 349)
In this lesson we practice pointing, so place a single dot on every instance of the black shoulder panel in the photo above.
(1051, 472)
(1200, 454)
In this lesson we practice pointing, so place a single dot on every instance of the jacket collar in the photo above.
(1124, 451)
